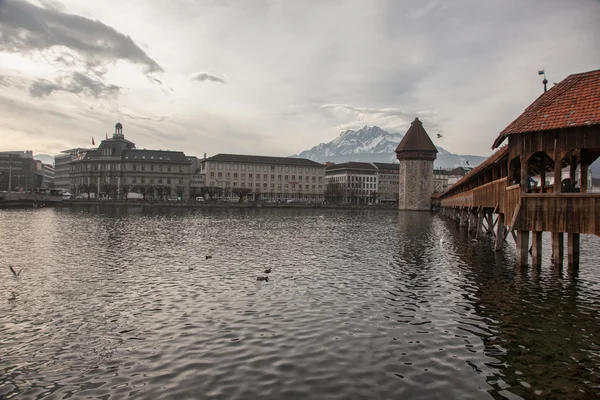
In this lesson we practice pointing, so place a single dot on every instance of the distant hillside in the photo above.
(376, 145)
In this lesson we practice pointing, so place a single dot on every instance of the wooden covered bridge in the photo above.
(538, 182)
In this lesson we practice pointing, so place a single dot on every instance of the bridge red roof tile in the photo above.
(573, 102)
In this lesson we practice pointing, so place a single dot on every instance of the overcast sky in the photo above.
(275, 77)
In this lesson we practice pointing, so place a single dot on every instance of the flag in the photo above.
(541, 72)
(93, 143)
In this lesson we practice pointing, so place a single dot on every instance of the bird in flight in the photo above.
(15, 273)
(439, 135)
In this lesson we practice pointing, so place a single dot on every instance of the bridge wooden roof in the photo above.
(573, 102)
(493, 159)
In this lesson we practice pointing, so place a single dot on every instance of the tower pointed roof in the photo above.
(416, 139)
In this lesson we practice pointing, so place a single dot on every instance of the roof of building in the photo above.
(573, 102)
(459, 171)
(416, 139)
(493, 159)
(380, 165)
(241, 158)
(352, 165)
(156, 155)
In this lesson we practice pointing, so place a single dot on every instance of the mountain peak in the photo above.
(373, 144)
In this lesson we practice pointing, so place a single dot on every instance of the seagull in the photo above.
(15, 273)
(208, 257)
(268, 270)
(439, 135)
(262, 278)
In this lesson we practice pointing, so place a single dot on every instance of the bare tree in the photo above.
(241, 192)
(125, 188)
(179, 190)
(211, 191)
(160, 191)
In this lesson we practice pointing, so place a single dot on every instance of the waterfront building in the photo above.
(455, 174)
(388, 181)
(117, 167)
(440, 180)
(416, 153)
(351, 183)
(268, 178)
(19, 171)
(47, 172)
(62, 167)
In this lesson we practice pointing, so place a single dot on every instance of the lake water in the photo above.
(363, 304)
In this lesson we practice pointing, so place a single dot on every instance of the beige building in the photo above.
(117, 167)
(440, 180)
(268, 178)
(388, 179)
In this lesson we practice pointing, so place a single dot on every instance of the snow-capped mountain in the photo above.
(377, 145)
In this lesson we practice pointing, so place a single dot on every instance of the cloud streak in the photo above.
(76, 83)
(204, 77)
(25, 27)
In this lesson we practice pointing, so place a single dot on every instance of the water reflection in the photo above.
(360, 304)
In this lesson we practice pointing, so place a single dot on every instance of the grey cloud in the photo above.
(25, 27)
(76, 83)
(387, 118)
(204, 77)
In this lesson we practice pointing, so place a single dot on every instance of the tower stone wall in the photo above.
(416, 153)
(416, 185)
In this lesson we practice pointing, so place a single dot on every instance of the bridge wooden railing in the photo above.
(560, 212)
(490, 195)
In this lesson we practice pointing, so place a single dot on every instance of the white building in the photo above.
(62, 167)
(352, 183)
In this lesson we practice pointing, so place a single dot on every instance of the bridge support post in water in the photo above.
(536, 248)
(500, 234)
(573, 250)
(522, 248)
(558, 248)
(472, 221)
(480, 216)
(463, 217)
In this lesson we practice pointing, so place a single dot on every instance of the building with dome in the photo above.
(117, 167)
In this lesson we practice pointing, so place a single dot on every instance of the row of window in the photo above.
(266, 186)
(252, 167)
(134, 180)
(265, 176)
(126, 167)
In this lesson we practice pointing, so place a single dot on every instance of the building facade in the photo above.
(62, 167)
(388, 180)
(117, 167)
(440, 180)
(47, 171)
(262, 177)
(351, 183)
(19, 171)
(416, 153)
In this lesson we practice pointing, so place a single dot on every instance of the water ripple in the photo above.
(360, 305)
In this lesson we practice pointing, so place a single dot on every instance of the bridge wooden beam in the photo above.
(573, 250)
(522, 248)
(536, 249)
(500, 233)
(558, 248)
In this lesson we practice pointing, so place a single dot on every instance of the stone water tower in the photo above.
(416, 153)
